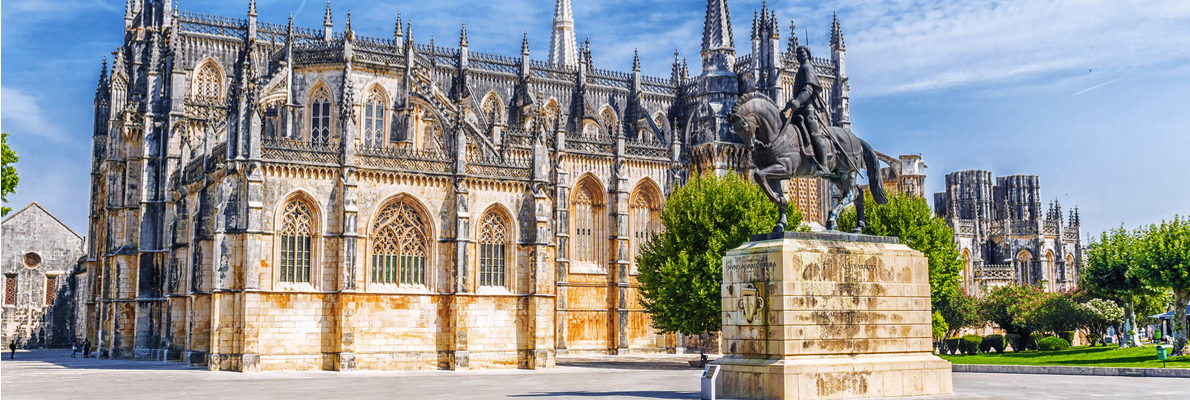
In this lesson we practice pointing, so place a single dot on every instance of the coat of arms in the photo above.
(750, 302)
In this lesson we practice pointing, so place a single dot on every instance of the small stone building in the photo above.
(39, 255)
(1003, 234)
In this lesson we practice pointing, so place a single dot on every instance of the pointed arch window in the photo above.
(645, 221)
(493, 246)
(608, 119)
(492, 109)
(374, 118)
(296, 236)
(119, 93)
(208, 82)
(584, 225)
(320, 117)
(549, 115)
(399, 246)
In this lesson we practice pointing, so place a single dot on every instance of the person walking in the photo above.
(74, 348)
(12, 346)
(86, 348)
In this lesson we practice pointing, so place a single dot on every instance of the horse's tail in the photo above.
(875, 183)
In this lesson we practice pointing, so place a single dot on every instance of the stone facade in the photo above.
(1003, 234)
(270, 197)
(40, 260)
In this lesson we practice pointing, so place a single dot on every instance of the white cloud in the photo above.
(21, 115)
(904, 46)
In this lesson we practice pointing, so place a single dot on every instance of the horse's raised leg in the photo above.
(782, 205)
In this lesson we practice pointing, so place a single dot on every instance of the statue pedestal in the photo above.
(827, 316)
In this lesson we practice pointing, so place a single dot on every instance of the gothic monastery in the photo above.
(271, 197)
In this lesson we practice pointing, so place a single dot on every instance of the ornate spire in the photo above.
(463, 35)
(792, 48)
(525, 43)
(101, 87)
(562, 43)
(635, 60)
(718, 48)
(397, 29)
(327, 25)
(409, 32)
(252, 8)
(348, 28)
(836, 34)
(716, 31)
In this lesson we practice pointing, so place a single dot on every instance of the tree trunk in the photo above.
(1130, 336)
(1180, 298)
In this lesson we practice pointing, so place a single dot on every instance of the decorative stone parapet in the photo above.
(827, 315)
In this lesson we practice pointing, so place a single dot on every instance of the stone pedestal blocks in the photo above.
(827, 316)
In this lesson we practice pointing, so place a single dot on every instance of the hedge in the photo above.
(950, 345)
(970, 344)
(1018, 342)
(992, 342)
(1052, 343)
(1033, 339)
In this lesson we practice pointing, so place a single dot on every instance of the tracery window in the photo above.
(549, 115)
(51, 289)
(320, 117)
(208, 83)
(491, 108)
(374, 118)
(584, 226)
(644, 221)
(493, 244)
(296, 237)
(10, 289)
(399, 246)
(608, 119)
(119, 93)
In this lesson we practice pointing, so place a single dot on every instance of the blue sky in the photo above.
(1093, 96)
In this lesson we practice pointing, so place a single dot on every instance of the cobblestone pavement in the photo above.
(52, 374)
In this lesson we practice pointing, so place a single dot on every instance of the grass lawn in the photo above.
(1082, 356)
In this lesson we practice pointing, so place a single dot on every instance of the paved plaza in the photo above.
(52, 374)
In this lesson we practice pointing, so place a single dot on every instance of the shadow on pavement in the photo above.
(650, 394)
(62, 359)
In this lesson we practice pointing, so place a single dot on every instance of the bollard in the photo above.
(709, 375)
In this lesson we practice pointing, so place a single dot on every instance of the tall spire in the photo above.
(718, 48)
(563, 50)
(836, 34)
(252, 8)
(792, 48)
(463, 35)
(636, 60)
(327, 25)
(101, 88)
(525, 43)
(397, 30)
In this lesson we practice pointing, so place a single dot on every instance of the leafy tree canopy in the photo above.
(681, 268)
(8, 172)
(1162, 260)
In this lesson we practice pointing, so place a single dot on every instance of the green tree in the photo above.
(681, 268)
(910, 219)
(1098, 315)
(1163, 261)
(8, 172)
(1108, 275)
(959, 310)
(1005, 305)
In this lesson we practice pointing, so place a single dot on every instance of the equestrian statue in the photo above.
(795, 143)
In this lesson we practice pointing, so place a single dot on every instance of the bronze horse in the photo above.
(776, 147)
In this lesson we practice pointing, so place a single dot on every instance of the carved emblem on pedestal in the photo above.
(751, 302)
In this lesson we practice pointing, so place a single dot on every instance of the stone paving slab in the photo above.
(52, 374)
